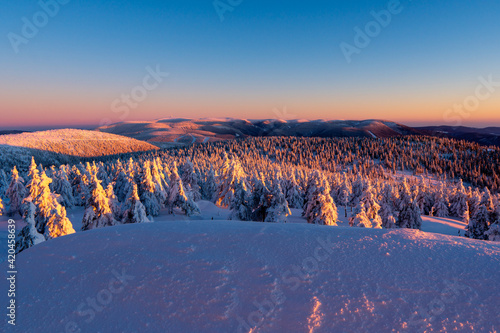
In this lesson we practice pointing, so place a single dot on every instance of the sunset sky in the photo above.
(264, 59)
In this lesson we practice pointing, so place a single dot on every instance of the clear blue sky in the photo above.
(263, 55)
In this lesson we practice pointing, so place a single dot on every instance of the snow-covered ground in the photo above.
(187, 275)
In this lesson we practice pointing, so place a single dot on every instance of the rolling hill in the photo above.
(63, 146)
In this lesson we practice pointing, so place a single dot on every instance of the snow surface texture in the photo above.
(228, 276)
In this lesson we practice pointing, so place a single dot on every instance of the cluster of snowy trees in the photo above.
(256, 179)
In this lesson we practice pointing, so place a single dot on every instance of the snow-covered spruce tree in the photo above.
(58, 223)
(458, 201)
(4, 183)
(62, 186)
(209, 186)
(409, 215)
(136, 213)
(360, 218)
(190, 180)
(478, 224)
(123, 185)
(441, 204)
(15, 194)
(178, 197)
(358, 187)
(28, 236)
(161, 186)
(98, 213)
(230, 172)
(147, 191)
(259, 199)
(493, 233)
(319, 205)
(368, 198)
(114, 204)
(240, 205)
(292, 191)
(473, 201)
(344, 194)
(278, 209)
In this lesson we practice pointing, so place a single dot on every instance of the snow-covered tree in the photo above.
(360, 218)
(98, 213)
(441, 204)
(58, 223)
(136, 212)
(210, 185)
(409, 214)
(28, 236)
(15, 194)
(344, 194)
(368, 198)
(62, 187)
(493, 233)
(240, 204)
(458, 201)
(148, 195)
(114, 204)
(292, 192)
(190, 180)
(230, 172)
(319, 205)
(178, 197)
(478, 224)
(278, 207)
(260, 199)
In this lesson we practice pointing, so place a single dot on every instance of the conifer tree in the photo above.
(278, 209)
(178, 197)
(240, 204)
(28, 236)
(98, 213)
(15, 194)
(319, 206)
(478, 224)
(360, 218)
(147, 192)
(136, 213)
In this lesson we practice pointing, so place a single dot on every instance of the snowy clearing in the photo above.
(214, 276)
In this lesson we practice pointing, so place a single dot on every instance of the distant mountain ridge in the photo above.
(186, 131)
(489, 136)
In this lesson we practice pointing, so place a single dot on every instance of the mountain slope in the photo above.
(489, 136)
(214, 276)
(187, 131)
(76, 142)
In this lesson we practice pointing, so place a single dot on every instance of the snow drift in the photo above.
(226, 276)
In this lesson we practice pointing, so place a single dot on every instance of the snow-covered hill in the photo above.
(63, 146)
(227, 276)
(76, 142)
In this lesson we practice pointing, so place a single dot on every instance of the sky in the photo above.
(88, 63)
